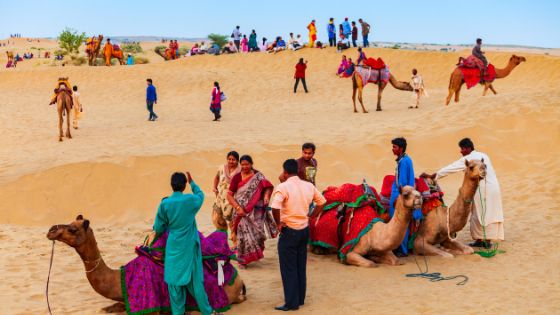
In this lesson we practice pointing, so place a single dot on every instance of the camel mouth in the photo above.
(53, 233)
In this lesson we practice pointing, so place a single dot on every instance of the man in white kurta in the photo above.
(488, 195)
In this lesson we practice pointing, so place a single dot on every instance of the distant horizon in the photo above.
(516, 22)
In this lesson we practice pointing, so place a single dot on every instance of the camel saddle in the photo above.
(472, 67)
(376, 64)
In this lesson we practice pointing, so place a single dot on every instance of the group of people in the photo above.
(254, 210)
(347, 33)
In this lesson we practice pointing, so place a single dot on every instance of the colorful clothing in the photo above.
(244, 45)
(300, 70)
(221, 206)
(404, 175)
(253, 42)
(307, 170)
(183, 257)
(343, 66)
(251, 229)
(312, 34)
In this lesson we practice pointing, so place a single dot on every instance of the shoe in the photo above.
(285, 308)
(480, 243)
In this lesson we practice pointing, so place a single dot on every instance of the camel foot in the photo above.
(355, 111)
(378, 110)
(115, 308)
(365, 112)
(60, 139)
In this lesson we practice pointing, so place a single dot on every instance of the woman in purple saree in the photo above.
(249, 193)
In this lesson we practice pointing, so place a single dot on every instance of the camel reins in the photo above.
(49, 278)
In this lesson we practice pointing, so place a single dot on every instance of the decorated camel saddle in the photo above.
(91, 43)
(145, 291)
(350, 212)
(432, 197)
(62, 86)
(373, 71)
(471, 68)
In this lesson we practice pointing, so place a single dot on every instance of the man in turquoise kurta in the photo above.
(183, 258)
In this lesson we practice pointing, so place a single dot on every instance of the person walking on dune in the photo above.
(216, 101)
(77, 106)
(151, 99)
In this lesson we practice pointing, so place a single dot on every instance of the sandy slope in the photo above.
(116, 169)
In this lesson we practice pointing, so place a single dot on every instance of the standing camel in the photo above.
(358, 84)
(456, 80)
(107, 281)
(442, 223)
(63, 106)
(92, 50)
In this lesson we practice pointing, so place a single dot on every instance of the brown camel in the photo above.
(109, 53)
(442, 223)
(378, 244)
(64, 107)
(92, 50)
(10, 55)
(357, 84)
(456, 80)
(104, 280)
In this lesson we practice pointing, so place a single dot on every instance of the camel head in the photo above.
(411, 198)
(74, 234)
(516, 60)
(407, 86)
(476, 169)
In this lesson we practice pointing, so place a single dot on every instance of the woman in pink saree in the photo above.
(249, 194)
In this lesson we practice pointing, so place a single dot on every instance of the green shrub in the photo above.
(132, 48)
(141, 60)
(70, 41)
(78, 60)
(218, 39)
(183, 51)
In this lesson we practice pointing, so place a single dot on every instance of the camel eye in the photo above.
(471, 168)
(72, 230)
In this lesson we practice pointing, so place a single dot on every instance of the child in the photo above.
(418, 85)
(77, 106)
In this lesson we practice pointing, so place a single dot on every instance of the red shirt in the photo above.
(300, 70)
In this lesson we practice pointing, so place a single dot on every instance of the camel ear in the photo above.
(85, 225)
(466, 163)
(79, 217)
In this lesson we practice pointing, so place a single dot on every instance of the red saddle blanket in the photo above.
(376, 64)
(350, 212)
(431, 193)
(471, 76)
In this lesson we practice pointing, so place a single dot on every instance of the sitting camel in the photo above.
(358, 84)
(165, 53)
(107, 281)
(456, 80)
(442, 223)
(377, 245)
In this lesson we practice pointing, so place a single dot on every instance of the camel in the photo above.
(377, 245)
(92, 50)
(357, 84)
(109, 53)
(456, 80)
(64, 107)
(104, 280)
(10, 55)
(441, 223)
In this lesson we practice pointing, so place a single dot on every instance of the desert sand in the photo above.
(116, 169)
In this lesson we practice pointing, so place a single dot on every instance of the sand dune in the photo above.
(116, 170)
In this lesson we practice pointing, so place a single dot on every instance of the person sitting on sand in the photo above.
(62, 84)
(203, 48)
(194, 49)
(294, 43)
(344, 43)
(229, 48)
(418, 85)
(349, 70)
(280, 44)
(271, 47)
(343, 66)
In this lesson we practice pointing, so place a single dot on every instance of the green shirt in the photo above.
(183, 258)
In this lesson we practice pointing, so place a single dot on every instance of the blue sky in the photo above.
(521, 22)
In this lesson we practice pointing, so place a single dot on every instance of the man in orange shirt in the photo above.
(108, 52)
(290, 207)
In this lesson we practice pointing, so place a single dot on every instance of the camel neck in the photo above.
(399, 222)
(91, 257)
(461, 208)
(504, 72)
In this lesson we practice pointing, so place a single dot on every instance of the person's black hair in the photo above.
(149, 80)
(479, 40)
(290, 166)
(216, 84)
(300, 60)
(234, 154)
(308, 145)
(359, 48)
(253, 31)
(291, 34)
(354, 22)
(466, 143)
(414, 71)
(331, 19)
(340, 26)
(400, 142)
(237, 26)
(178, 181)
(247, 158)
(74, 88)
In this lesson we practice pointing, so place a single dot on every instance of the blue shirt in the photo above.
(331, 30)
(151, 93)
(281, 43)
(404, 177)
(346, 27)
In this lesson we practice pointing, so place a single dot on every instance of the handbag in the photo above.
(223, 97)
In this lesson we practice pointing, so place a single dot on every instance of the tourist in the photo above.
(404, 176)
(290, 205)
(418, 85)
(176, 46)
(354, 34)
(216, 101)
(130, 60)
(264, 44)
(340, 32)
(236, 35)
(478, 53)
(346, 28)
(222, 209)
(343, 66)
(307, 164)
(151, 99)
(76, 106)
(361, 56)
(253, 46)
(365, 32)
(245, 44)
(343, 44)
(294, 43)
(487, 217)
(249, 194)
(301, 66)
(312, 33)
(331, 30)
(183, 258)
(350, 70)
(280, 44)
(229, 48)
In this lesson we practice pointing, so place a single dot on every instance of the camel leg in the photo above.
(68, 114)
(457, 248)
(118, 307)
(60, 122)
(354, 88)
(380, 95)
(423, 248)
(388, 258)
(360, 90)
(486, 85)
(457, 94)
(492, 89)
(358, 260)
(449, 96)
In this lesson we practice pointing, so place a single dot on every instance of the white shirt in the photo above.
(236, 34)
